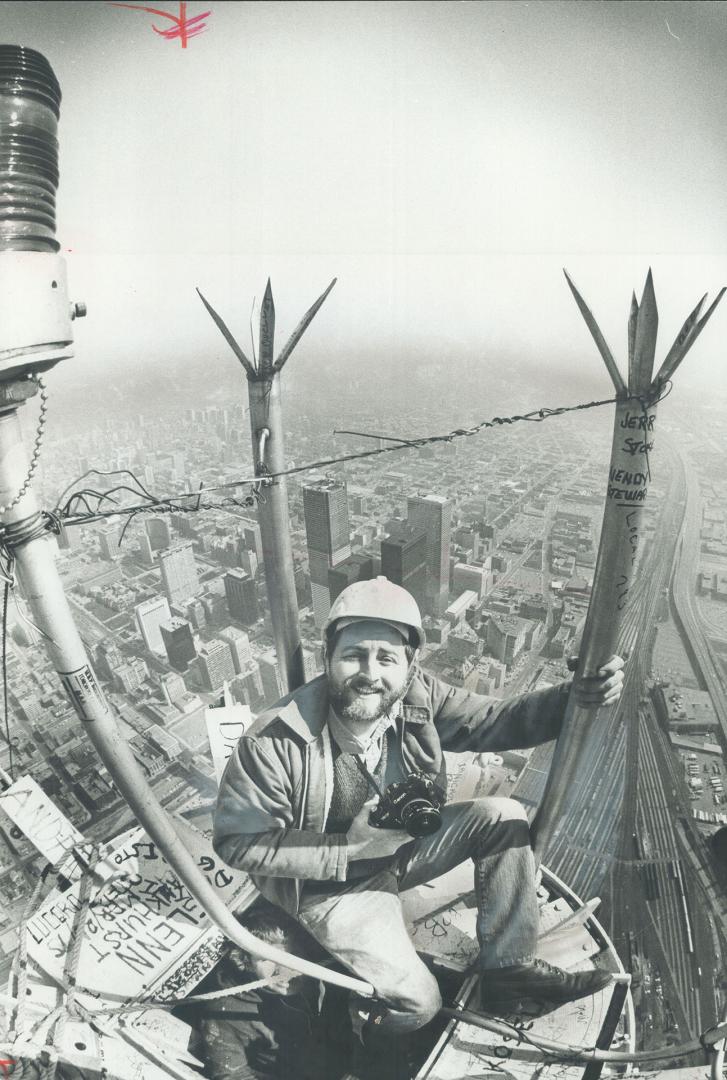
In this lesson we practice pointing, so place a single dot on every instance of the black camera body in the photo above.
(413, 803)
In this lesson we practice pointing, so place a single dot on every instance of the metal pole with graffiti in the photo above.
(629, 476)
(266, 425)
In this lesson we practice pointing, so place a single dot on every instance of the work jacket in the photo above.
(276, 789)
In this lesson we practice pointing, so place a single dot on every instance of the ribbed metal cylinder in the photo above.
(30, 99)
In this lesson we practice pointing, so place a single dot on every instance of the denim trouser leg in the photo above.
(496, 835)
(362, 924)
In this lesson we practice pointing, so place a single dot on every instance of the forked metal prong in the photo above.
(647, 324)
(633, 315)
(684, 342)
(598, 337)
(227, 335)
(676, 351)
(301, 328)
(267, 332)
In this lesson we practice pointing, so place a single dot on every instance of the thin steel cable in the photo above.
(67, 514)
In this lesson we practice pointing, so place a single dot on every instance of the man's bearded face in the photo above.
(367, 673)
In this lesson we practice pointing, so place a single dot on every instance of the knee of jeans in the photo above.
(417, 1001)
(491, 810)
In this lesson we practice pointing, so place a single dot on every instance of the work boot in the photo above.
(538, 981)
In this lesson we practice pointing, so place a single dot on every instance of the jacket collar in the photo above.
(306, 710)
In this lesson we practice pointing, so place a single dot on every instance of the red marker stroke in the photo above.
(182, 28)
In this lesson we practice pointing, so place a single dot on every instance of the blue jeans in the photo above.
(361, 923)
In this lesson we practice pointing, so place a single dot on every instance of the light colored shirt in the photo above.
(368, 749)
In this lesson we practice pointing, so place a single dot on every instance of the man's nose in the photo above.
(370, 668)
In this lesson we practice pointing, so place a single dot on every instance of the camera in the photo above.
(413, 803)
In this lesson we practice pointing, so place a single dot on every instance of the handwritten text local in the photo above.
(144, 926)
(137, 918)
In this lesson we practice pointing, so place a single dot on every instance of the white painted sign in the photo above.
(145, 932)
(225, 724)
(37, 816)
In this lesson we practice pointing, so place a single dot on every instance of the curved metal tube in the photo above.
(584, 1055)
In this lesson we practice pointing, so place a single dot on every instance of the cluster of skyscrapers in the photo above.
(414, 551)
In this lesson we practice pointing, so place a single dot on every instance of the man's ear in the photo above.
(411, 672)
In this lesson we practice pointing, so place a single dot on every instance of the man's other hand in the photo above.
(365, 841)
(603, 689)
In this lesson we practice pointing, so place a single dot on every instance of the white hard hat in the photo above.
(379, 600)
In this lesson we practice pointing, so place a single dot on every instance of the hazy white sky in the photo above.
(444, 160)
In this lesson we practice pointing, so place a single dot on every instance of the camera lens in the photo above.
(420, 818)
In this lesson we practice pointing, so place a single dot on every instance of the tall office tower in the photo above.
(150, 614)
(247, 687)
(239, 644)
(326, 525)
(248, 561)
(108, 658)
(215, 609)
(178, 642)
(241, 597)
(432, 515)
(146, 552)
(130, 675)
(179, 573)
(467, 576)
(271, 677)
(195, 613)
(108, 539)
(183, 524)
(404, 561)
(215, 664)
(357, 567)
(159, 533)
(249, 537)
(173, 687)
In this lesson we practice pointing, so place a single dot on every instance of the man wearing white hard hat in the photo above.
(333, 802)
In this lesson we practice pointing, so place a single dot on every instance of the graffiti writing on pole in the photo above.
(183, 27)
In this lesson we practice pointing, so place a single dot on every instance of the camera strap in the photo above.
(373, 782)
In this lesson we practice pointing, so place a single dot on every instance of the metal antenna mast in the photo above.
(621, 533)
(266, 426)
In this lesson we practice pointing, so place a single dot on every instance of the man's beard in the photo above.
(348, 705)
